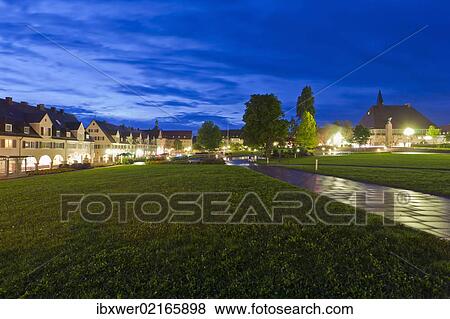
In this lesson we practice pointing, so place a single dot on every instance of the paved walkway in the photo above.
(426, 212)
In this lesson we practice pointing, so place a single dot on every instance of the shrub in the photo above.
(81, 166)
(50, 171)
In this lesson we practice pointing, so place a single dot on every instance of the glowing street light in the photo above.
(336, 140)
(408, 132)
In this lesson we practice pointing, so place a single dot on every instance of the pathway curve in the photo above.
(426, 212)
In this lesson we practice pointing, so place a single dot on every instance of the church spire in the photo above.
(379, 98)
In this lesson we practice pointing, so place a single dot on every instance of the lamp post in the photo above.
(408, 132)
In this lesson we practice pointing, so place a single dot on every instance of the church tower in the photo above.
(379, 99)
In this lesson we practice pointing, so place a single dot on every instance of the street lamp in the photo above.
(408, 132)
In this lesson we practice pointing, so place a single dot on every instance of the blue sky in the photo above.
(190, 61)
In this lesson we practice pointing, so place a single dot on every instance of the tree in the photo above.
(307, 131)
(209, 136)
(433, 131)
(264, 123)
(305, 102)
(177, 145)
(361, 134)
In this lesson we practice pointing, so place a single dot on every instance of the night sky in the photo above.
(185, 62)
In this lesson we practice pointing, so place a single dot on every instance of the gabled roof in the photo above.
(22, 114)
(111, 130)
(73, 126)
(403, 116)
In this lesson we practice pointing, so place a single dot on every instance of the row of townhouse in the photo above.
(115, 141)
(37, 137)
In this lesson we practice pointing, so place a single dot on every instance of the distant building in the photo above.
(36, 137)
(174, 141)
(445, 130)
(395, 125)
(115, 141)
(232, 137)
(112, 142)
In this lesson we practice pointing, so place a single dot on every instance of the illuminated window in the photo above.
(10, 143)
(8, 128)
(26, 130)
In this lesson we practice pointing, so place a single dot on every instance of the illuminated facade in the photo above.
(397, 125)
(230, 137)
(114, 142)
(36, 137)
(171, 142)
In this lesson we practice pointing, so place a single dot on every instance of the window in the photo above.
(58, 133)
(49, 131)
(26, 130)
(42, 131)
(68, 134)
(8, 143)
(8, 128)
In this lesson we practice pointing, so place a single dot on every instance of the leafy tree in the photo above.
(361, 134)
(209, 136)
(264, 123)
(307, 131)
(305, 102)
(178, 145)
(433, 131)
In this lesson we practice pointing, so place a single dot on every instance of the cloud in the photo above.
(203, 59)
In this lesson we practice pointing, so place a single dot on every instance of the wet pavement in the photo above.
(425, 212)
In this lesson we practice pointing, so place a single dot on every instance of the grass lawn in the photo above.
(429, 173)
(42, 257)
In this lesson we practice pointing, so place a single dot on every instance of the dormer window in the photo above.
(8, 127)
(26, 130)
(58, 133)
(68, 134)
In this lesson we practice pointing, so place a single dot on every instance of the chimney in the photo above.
(40, 107)
(8, 100)
(53, 109)
(61, 111)
(24, 103)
